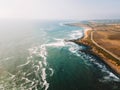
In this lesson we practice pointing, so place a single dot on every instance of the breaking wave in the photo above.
(57, 43)
(32, 74)
(76, 34)
(91, 60)
(73, 48)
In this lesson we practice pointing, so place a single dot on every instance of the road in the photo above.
(102, 47)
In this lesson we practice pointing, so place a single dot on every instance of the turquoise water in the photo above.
(34, 56)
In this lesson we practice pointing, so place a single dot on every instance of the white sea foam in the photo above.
(110, 76)
(41, 51)
(24, 64)
(43, 75)
(11, 75)
(40, 64)
(73, 48)
(39, 68)
(52, 72)
(76, 34)
(58, 43)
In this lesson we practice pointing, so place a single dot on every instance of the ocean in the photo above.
(34, 56)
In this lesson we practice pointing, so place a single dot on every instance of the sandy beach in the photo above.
(86, 29)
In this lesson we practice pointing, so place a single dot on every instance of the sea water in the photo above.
(35, 56)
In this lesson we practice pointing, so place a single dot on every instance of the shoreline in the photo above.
(85, 40)
(86, 29)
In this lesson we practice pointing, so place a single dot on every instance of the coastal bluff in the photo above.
(103, 38)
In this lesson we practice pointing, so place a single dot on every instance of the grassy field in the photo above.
(110, 40)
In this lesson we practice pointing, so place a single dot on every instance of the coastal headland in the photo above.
(104, 40)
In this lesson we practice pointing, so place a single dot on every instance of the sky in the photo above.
(60, 9)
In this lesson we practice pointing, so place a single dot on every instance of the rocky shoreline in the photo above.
(85, 40)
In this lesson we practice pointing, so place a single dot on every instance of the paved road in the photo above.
(102, 47)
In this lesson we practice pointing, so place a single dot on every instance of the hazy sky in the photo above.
(60, 9)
